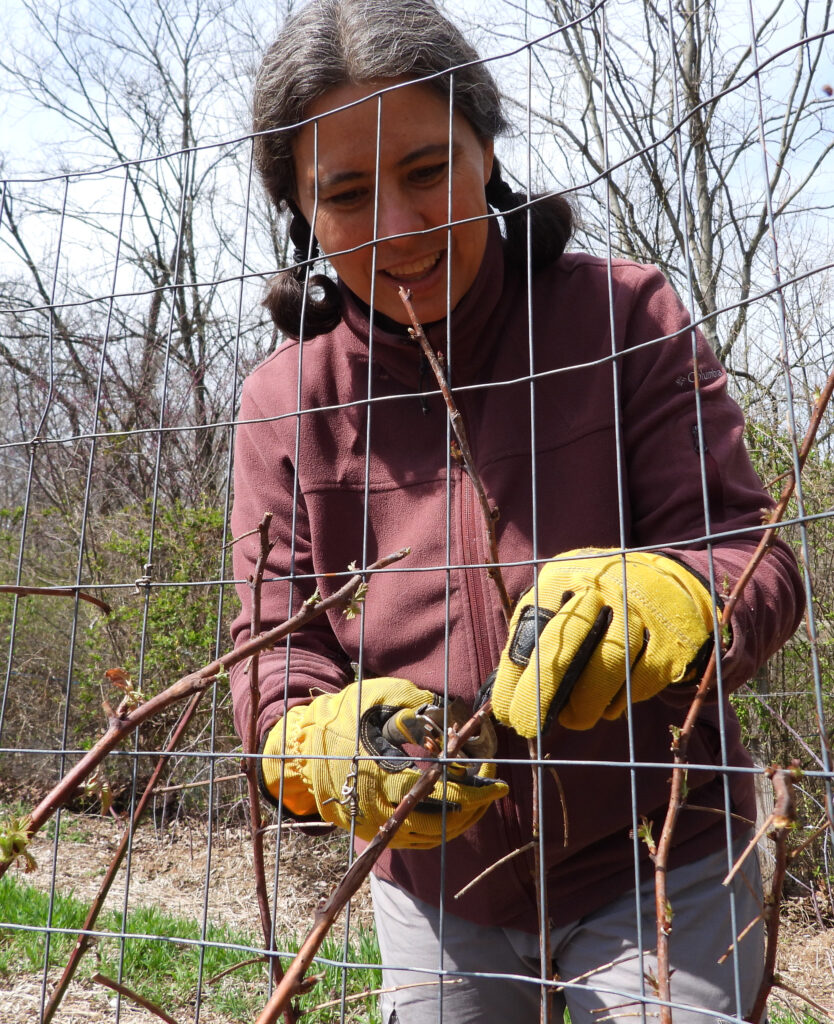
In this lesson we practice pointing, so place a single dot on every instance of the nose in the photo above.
(398, 214)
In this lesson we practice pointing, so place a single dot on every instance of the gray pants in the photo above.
(597, 958)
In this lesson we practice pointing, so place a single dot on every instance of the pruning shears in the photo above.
(423, 727)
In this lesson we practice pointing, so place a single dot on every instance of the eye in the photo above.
(429, 173)
(348, 198)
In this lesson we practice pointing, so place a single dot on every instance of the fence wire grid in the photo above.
(136, 255)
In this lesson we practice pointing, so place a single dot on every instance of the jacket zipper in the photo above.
(474, 581)
(472, 528)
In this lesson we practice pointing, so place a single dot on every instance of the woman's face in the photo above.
(413, 175)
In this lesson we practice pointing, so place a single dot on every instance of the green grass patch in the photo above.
(778, 1013)
(164, 966)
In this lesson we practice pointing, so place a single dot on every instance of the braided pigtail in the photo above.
(551, 221)
(285, 297)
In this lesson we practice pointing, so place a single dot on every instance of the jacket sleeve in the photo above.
(716, 503)
(265, 481)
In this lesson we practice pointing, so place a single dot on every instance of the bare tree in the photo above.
(689, 136)
(127, 305)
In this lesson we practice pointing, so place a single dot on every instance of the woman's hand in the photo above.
(321, 775)
(579, 673)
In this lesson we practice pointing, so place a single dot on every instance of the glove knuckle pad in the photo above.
(531, 622)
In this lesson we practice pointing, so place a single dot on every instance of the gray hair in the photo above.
(333, 42)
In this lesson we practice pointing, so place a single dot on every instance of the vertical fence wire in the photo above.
(677, 46)
(171, 446)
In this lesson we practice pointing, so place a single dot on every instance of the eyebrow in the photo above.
(432, 149)
(328, 181)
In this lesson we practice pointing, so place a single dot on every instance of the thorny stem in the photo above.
(328, 910)
(84, 939)
(250, 762)
(490, 514)
(784, 813)
(680, 741)
(121, 726)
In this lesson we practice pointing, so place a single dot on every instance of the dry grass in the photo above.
(178, 869)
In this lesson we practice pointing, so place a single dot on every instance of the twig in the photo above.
(84, 939)
(490, 514)
(527, 846)
(128, 993)
(818, 831)
(751, 846)
(236, 967)
(359, 870)
(747, 688)
(236, 540)
(202, 782)
(8, 588)
(610, 1013)
(744, 931)
(596, 970)
(562, 800)
(784, 499)
(357, 996)
(717, 810)
(680, 740)
(494, 865)
(250, 763)
(194, 682)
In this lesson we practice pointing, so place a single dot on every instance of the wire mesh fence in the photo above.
(693, 139)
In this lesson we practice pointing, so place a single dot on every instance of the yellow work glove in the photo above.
(318, 767)
(580, 673)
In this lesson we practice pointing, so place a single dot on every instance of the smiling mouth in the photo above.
(415, 270)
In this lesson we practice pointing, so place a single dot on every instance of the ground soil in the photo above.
(171, 868)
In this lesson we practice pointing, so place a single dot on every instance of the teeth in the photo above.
(415, 269)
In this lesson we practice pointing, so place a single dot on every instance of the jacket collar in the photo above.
(468, 327)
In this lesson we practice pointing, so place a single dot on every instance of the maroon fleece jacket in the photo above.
(584, 428)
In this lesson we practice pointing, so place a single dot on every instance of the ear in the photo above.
(489, 156)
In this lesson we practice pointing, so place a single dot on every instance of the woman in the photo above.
(577, 384)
